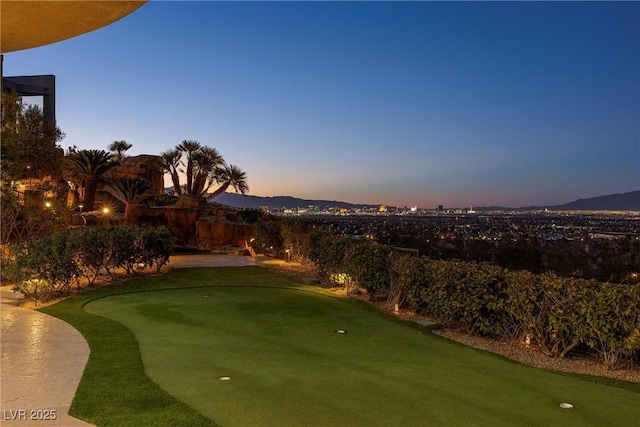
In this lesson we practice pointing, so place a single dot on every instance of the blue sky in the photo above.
(400, 103)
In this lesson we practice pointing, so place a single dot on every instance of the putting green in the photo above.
(288, 366)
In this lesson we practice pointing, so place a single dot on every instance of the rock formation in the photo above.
(194, 223)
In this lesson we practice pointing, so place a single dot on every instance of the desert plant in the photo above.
(171, 163)
(205, 167)
(131, 192)
(118, 148)
(229, 176)
(89, 165)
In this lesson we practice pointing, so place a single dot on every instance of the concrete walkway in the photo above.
(210, 260)
(43, 357)
(42, 363)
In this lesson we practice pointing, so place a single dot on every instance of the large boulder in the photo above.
(190, 202)
(144, 166)
(213, 232)
(182, 223)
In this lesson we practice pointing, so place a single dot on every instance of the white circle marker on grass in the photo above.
(566, 405)
(225, 378)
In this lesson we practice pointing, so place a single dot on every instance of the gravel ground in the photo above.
(534, 357)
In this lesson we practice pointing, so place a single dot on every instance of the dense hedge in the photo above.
(558, 314)
(54, 264)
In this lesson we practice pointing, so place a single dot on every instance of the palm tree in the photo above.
(205, 167)
(118, 148)
(170, 163)
(205, 161)
(90, 165)
(190, 147)
(131, 192)
(230, 176)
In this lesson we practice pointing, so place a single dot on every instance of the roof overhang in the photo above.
(28, 24)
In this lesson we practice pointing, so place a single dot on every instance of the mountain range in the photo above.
(618, 202)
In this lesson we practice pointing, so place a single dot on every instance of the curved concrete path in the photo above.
(42, 363)
(43, 357)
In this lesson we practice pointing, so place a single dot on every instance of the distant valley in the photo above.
(620, 202)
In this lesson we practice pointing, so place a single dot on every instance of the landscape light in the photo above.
(105, 211)
(47, 205)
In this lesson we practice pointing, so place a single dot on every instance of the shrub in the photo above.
(296, 239)
(368, 265)
(481, 292)
(406, 276)
(436, 295)
(268, 237)
(22, 223)
(551, 309)
(558, 313)
(327, 253)
(613, 323)
(157, 246)
(94, 251)
(126, 245)
(48, 265)
(53, 264)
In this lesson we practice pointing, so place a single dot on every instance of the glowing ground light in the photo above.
(566, 405)
(341, 331)
(225, 378)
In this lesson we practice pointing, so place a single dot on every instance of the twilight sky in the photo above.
(399, 103)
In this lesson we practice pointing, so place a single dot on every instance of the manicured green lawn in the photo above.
(276, 339)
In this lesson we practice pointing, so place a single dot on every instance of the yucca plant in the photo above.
(90, 165)
(230, 176)
(170, 161)
(131, 192)
(118, 149)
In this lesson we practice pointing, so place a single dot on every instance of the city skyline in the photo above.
(416, 103)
